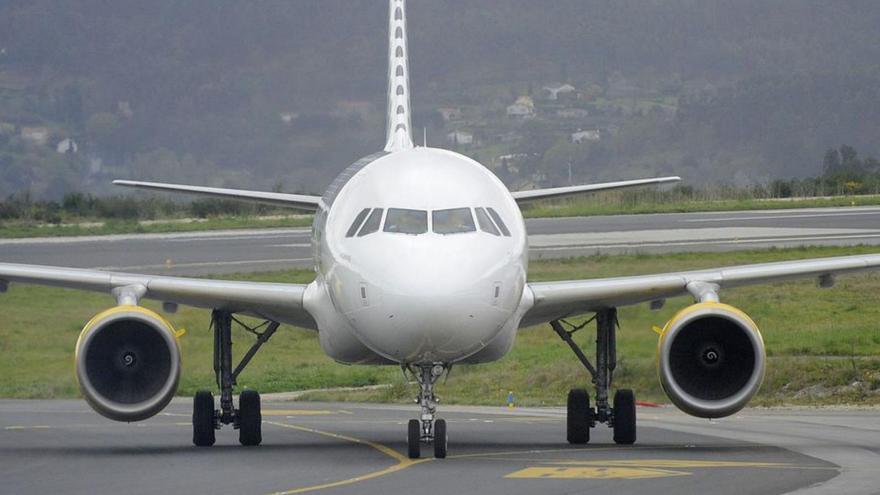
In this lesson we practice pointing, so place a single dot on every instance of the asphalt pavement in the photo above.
(63, 447)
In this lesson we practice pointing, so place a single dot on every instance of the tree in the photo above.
(831, 162)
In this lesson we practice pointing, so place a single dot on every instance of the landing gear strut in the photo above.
(427, 429)
(621, 414)
(247, 419)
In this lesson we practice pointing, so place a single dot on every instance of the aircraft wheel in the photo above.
(440, 439)
(414, 439)
(203, 419)
(624, 417)
(250, 418)
(579, 417)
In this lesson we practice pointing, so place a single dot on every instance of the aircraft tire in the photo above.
(440, 439)
(203, 419)
(624, 417)
(578, 419)
(250, 419)
(414, 438)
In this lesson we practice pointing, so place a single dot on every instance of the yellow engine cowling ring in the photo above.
(127, 363)
(711, 360)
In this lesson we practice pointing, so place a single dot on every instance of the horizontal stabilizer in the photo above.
(299, 201)
(556, 192)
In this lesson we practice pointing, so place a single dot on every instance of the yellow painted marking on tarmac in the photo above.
(673, 463)
(538, 451)
(594, 473)
(297, 412)
(403, 461)
(35, 427)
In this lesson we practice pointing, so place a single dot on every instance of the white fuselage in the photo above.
(394, 285)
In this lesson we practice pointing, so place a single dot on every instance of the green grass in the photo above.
(11, 230)
(813, 336)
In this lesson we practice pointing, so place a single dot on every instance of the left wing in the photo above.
(285, 200)
(555, 300)
(558, 192)
(278, 302)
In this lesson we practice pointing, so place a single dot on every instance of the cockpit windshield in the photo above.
(453, 221)
(413, 222)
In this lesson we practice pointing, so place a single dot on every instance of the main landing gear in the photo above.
(427, 429)
(621, 414)
(247, 419)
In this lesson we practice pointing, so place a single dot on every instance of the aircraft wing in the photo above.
(557, 192)
(300, 201)
(273, 301)
(555, 300)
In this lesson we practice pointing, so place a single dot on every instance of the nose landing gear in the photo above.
(427, 429)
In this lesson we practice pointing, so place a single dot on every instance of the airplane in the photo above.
(421, 261)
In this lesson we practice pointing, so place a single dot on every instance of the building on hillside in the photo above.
(288, 117)
(573, 113)
(35, 135)
(586, 136)
(460, 138)
(554, 92)
(66, 146)
(450, 113)
(523, 108)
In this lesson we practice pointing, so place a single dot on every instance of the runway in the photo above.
(274, 249)
(61, 446)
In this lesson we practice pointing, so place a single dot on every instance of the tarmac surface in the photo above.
(63, 447)
(274, 249)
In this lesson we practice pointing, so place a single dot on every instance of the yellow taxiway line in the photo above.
(403, 461)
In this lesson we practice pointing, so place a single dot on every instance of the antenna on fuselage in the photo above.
(399, 120)
(425, 137)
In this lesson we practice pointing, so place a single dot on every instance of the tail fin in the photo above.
(399, 131)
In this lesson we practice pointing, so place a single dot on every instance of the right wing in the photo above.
(300, 201)
(278, 302)
(558, 192)
(556, 300)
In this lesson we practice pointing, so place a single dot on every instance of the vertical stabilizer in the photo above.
(399, 132)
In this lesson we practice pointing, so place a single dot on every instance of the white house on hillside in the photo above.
(523, 108)
(586, 136)
(554, 91)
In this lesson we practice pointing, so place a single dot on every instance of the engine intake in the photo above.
(711, 360)
(128, 363)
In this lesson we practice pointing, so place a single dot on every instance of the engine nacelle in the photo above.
(711, 360)
(128, 363)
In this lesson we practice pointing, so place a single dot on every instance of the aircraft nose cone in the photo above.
(430, 328)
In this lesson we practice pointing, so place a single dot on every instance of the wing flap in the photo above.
(554, 300)
(299, 201)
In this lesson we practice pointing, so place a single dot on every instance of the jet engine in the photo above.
(711, 360)
(128, 363)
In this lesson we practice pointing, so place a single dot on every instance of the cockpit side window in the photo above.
(413, 222)
(358, 220)
(453, 221)
(485, 222)
(372, 224)
(499, 222)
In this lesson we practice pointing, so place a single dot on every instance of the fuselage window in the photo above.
(454, 221)
(499, 222)
(485, 222)
(358, 220)
(413, 222)
(372, 224)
